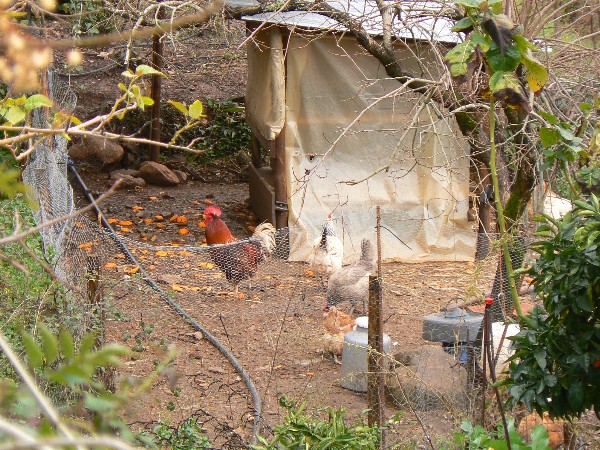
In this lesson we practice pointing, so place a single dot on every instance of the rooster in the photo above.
(351, 283)
(239, 260)
(328, 252)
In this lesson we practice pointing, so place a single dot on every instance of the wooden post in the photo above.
(279, 167)
(94, 294)
(157, 63)
(376, 379)
(485, 202)
(256, 156)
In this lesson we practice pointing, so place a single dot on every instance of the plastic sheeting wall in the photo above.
(423, 192)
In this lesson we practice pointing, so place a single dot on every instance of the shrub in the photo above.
(556, 365)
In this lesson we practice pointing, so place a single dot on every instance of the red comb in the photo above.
(213, 210)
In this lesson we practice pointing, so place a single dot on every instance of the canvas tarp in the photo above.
(352, 145)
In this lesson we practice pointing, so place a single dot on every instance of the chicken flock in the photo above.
(240, 260)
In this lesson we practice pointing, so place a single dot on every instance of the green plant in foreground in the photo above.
(301, 430)
(187, 436)
(556, 364)
(477, 437)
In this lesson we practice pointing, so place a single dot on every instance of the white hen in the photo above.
(328, 251)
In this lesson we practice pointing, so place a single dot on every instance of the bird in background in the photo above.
(351, 283)
(327, 252)
(239, 260)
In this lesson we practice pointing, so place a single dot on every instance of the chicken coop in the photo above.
(344, 138)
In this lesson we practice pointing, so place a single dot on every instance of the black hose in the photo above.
(189, 319)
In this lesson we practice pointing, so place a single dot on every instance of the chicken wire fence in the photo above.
(275, 329)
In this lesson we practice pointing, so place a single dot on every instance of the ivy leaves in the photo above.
(495, 41)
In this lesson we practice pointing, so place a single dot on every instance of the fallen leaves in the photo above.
(183, 231)
(183, 287)
(178, 219)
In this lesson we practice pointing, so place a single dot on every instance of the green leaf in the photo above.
(37, 101)
(585, 303)
(464, 23)
(496, 6)
(469, 3)
(566, 134)
(551, 118)
(50, 344)
(540, 358)
(537, 75)
(506, 62)
(504, 80)
(196, 110)
(458, 69)
(128, 74)
(539, 438)
(461, 53)
(480, 40)
(122, 87)
(144, 69)
(179, 106)
(146, 101)
(35, 356)
(14, 115)
(100, 404)
(87, 343)
(549, 136)
(575, 395)
(524, 44)
(66, 344)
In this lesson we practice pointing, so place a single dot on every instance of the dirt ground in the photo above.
(276, 331)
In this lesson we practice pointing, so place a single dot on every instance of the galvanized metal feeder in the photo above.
(455, 328)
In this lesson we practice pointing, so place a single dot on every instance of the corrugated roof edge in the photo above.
(418, 27)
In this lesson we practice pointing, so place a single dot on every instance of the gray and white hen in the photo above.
(351, 283)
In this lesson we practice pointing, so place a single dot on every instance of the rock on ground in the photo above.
(158, 174)
(108, 152)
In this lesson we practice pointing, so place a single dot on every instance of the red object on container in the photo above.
(489, 300)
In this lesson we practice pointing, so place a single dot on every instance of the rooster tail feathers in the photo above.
(328, 231)
(265, 234)
(367, 252)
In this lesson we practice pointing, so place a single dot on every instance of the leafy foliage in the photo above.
(226, 132)
(187, 436)
(556, 365)
(91, 18)
(56, 360)
(477, 437)
(301, 430)
(494, 40)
